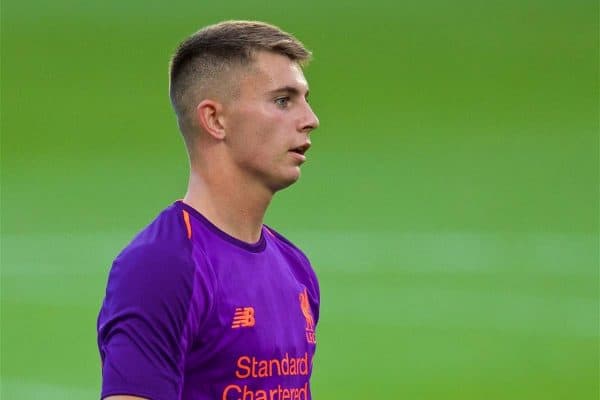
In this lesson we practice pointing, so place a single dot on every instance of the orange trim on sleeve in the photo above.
(186, 218)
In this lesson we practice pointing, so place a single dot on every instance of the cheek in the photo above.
(259, 132)
(266, 130)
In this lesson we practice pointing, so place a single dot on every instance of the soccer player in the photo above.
(207, 302)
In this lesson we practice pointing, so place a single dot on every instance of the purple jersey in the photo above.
(193, 313)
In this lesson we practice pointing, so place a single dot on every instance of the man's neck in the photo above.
(233, 205)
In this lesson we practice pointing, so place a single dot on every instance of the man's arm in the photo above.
(120, 397)
(145, 320)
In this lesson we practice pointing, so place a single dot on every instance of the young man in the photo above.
(207, 302)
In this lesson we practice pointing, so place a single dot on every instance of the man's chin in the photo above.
(287, 181)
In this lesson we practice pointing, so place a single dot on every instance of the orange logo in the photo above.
(243, 317)
(310, 321)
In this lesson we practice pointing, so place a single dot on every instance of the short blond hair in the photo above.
(203, 60)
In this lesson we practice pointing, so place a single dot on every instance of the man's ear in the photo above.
(209, 116)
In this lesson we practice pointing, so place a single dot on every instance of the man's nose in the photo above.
(310, 122)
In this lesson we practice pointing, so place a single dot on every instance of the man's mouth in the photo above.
(301, 149)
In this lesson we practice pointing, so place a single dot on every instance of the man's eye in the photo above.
(282, 101)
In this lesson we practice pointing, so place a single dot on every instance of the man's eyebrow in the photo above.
(289, 90)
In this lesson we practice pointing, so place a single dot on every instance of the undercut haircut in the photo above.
(202, 63)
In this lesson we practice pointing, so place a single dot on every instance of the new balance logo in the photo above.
(243, 318)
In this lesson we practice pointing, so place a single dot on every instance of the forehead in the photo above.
(271, 71)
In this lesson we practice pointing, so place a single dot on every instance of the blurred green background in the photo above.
(449, 205)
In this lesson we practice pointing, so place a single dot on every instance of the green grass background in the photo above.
(449, 206)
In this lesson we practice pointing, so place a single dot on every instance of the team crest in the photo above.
(310, 321)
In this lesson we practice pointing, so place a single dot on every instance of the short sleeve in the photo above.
(155, 301)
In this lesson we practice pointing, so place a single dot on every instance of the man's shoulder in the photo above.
(163, 240)
(160, 261)
(303, 268)
(286, 243)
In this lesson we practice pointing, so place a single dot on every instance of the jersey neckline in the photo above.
(252, 247)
